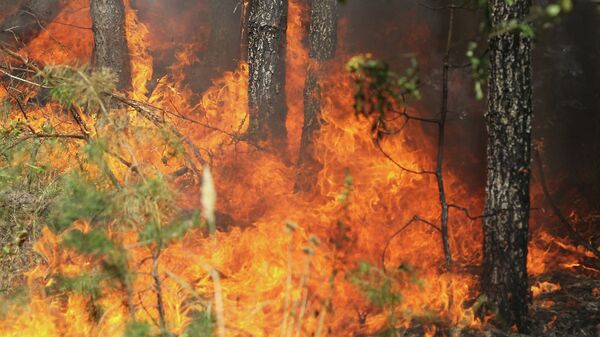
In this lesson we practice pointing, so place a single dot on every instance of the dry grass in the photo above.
(19, 228)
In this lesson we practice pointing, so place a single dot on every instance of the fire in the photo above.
(274, 279)
(56, 42)
(544, 287)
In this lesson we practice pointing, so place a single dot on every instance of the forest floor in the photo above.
(569, 307)
(18, 232)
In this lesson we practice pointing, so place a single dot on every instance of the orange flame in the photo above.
(274, 280)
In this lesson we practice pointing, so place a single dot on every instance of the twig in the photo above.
(414, 219)
(19, 57)
(400, 166)
(147, 113)
(557, 212)
(41, 135)
(158, 289)
(22, 79)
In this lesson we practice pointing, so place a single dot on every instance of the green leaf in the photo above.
(93, 243)
(566, 5)
(553, 10)
(79, 200)
(85, 283)
(137, 329)
(202, 325)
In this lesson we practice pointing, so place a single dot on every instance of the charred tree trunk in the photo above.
(20, 28)
(110, 42)
(322, 45)
(509, 115)
(323, 29)
(267, 26)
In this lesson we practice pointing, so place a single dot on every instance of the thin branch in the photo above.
(147, 113)
(557, 212)
(158, 289)
(22, 79)
(4, 48)
(414, 219)
(400, 166)
(42, 135)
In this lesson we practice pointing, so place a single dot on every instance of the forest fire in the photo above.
(360, 253)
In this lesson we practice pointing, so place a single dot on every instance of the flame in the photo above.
(544, 287)
(274, 280)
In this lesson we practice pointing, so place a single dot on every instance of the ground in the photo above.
(573, 310)
(19, 228)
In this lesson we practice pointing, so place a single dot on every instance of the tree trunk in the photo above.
(504, 278)
(267, 25)
(322, 41)
(110, 42)
(20, 28)
(323, 29)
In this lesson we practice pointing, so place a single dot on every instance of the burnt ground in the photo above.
(571, 311)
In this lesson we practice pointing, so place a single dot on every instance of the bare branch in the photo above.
(557, 212)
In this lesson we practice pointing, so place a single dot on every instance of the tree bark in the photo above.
(323, 29)
(267, 26)
(20, 28)
(509, 115)
(110, 42)
(322, 39)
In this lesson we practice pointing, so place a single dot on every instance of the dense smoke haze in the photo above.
(566, 78)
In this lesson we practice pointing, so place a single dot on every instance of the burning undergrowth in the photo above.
(132, 246)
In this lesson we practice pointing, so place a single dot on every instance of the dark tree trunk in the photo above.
(504, 278)
(322, 41)
(267, 25)
(20, 28)
(110, 42)
(323, 29)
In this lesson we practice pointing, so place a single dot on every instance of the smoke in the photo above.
(566, 73)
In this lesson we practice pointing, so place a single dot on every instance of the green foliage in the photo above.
(382, 289)
(172, 231)
(85, 283)
(539, 17)
(202, 325)
(80, 199)
(348, 185)
(379, 92)
(97, 243)
(141, 203)
(81, 87)
(376, 285)
(93, 243)
(377, 88)
(142, 200)
(478, 70)
(137, 329)
(18, 299)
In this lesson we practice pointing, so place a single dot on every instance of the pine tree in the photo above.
(504, 278)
